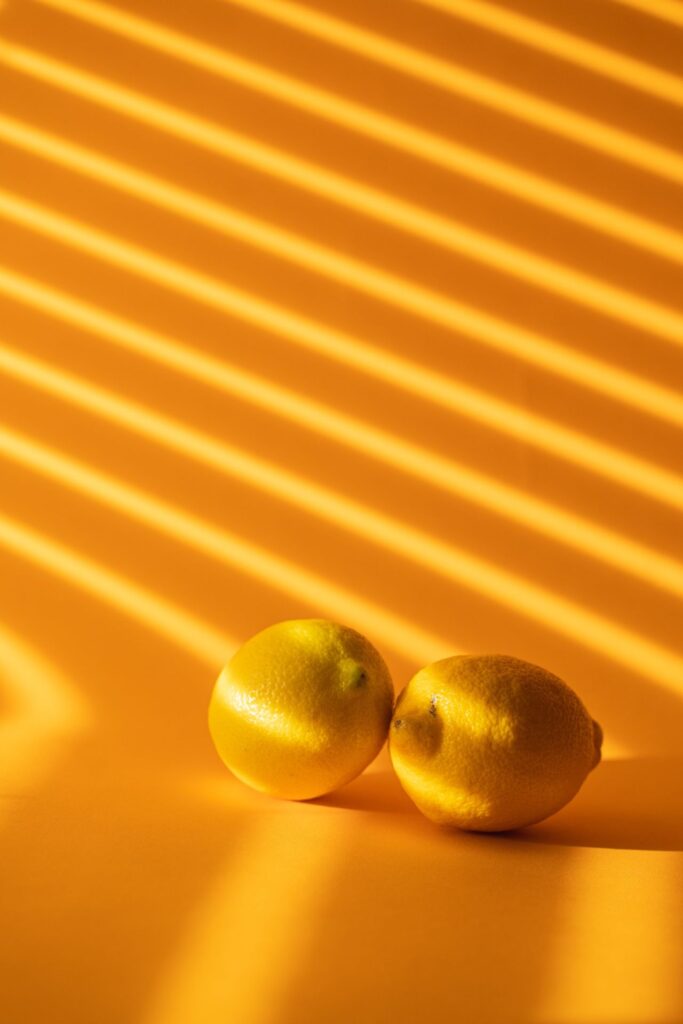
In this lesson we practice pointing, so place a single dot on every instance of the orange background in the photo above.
(369, 311)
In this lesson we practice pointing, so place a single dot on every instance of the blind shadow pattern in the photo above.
(369, 311)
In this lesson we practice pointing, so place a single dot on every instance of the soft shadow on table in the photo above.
(372, 791)
(634, 804)
(624, 805)
(441, 906)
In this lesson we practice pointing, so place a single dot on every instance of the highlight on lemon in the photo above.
(490, 743)
(302, 708)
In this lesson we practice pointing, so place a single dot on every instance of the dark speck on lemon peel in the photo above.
(418, 733)
(301, 708)
(454, 754)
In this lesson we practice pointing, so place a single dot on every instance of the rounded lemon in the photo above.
(490, 742)
(302, 708)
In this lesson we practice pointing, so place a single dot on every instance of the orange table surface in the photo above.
(369, 311)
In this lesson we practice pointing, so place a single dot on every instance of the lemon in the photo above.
(302, 708)
(490, 743)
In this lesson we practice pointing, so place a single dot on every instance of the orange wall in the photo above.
(369, 311)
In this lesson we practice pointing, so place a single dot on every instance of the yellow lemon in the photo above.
(302, 708)
(489, 743)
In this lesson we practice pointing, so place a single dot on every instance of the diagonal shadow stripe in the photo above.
(558, 614)
(605, 460)
(543, 114)
(225, 548)
(371, 280)
(137, 602)
(551, 520)
(547, 39)
(541, 272)
(450, 901)
(575, 206)
(665, 10)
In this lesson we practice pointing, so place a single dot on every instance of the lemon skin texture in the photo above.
(302, 708)
(490, 743)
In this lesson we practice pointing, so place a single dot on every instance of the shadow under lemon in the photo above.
(634, 804)
(631, 804)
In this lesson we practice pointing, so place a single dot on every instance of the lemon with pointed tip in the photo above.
(302, 708)
(490, 743)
